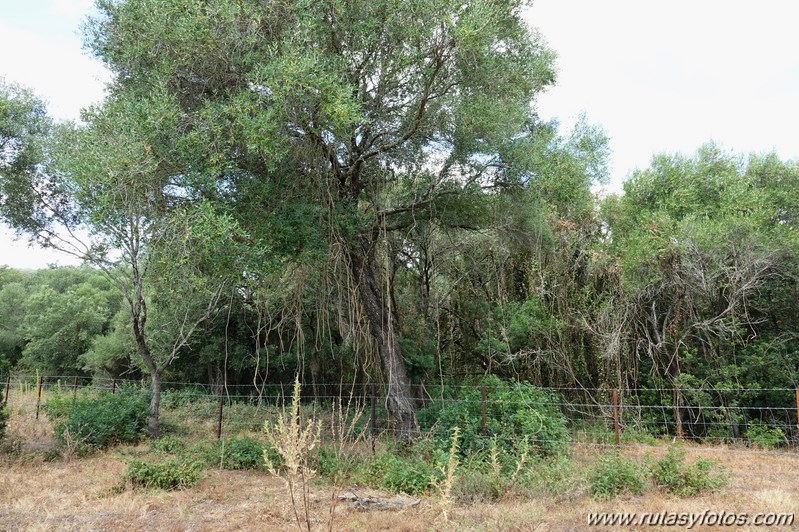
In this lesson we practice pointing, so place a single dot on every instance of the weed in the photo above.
(293, 441)
(168, 445)
(445, 483)
(615, 474)
(673, 476)
(169, 475)
(475, 485)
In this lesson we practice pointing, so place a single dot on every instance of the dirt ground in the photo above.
(79, 495)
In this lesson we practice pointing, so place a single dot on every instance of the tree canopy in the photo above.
(364, 191)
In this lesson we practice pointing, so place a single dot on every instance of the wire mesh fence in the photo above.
(766, 418)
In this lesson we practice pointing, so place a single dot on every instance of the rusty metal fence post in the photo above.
(39, 397)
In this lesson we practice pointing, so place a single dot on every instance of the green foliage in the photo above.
(615, 474)
(234, 453)
(402, 474)
(477, 485)
(765, 436)
(673, 476)
(102, 421)
(3, 420)
(168, 475)
(337, 466)
(242, 453)
(168, 445)
(184, 397)
(514, 411)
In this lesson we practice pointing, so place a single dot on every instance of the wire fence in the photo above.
(762, 418)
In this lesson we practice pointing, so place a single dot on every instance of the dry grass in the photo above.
(78, 495)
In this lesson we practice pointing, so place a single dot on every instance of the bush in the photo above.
(169, 475)
(613, 475)
(3, 420)
(103, 421)
(673, 476)
(59, 406)
(513, 411)
(168, 445)
(242, 453)
(765, 437)
(399, 474)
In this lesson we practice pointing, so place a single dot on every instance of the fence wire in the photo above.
(762, 418)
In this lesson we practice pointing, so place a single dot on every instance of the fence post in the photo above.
(219, 418)
(114, 386)
(75, 388)
(39, 397)
(677, 415)
(616, 417)
(797, 407)
(483, 412)
(8, 386)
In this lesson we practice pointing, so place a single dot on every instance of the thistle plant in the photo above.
(293, 441)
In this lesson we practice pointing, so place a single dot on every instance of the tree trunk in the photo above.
(153, 421)
(382, 328)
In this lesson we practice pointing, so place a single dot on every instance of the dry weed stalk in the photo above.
(344, 425)
(520, 462)
(444, 485)
(294, 440)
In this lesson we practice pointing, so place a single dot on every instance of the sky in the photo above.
(658, 76)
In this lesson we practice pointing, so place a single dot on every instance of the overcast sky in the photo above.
(658, 76)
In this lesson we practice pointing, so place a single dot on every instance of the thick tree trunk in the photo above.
(382, 328)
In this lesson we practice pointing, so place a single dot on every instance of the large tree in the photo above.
(374, 111)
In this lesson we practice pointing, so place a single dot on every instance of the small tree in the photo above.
(103, 193)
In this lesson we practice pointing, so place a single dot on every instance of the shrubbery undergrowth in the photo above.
(168, 475)
(101, 421)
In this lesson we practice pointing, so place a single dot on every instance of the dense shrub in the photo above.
(674, 476)
(513, 411)
(400, 474)
(614, 474)
(102, 421)
(236, 453)
(765, 436)
(169, 475)
(242, 453)
(3, 419)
